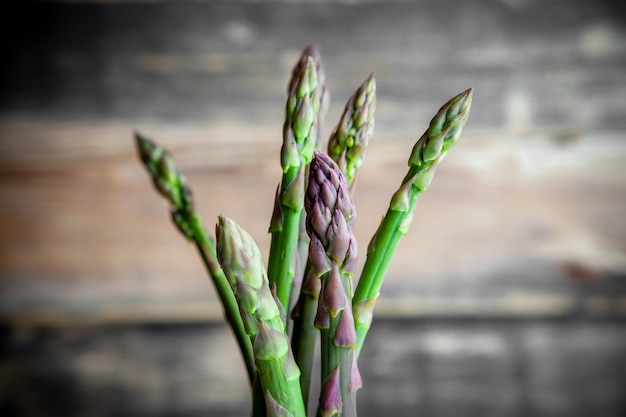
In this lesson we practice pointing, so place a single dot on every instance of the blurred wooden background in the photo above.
(522, 229)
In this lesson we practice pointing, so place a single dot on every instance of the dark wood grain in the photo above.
(446, 368)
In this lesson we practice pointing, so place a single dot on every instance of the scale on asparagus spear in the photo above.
(306, 298)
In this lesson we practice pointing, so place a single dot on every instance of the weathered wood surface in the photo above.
(525, 216)
(431, 368)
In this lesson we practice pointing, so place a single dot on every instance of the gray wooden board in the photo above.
(539, 368)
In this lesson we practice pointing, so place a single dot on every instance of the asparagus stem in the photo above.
(171, 183)
(304, 337)
(242, 263)
(444, 131)
(301, 263)
(299, 141)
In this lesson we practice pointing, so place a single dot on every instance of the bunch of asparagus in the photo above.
(308, 289)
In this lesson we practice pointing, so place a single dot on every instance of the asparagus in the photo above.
(443, 132)
(278, 373)
(350, 137)
(347, 148)
(299, 142)
(333, 254)
(171, 183)
(311, 51)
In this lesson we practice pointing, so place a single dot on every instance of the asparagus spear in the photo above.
(443, 133)
(278, 373)
(299, 142)
(313, 52)
(347, 148)
(333, 254)
(350, 137)
(171, 183)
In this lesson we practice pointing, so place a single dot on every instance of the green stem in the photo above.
(285, 240)
(379, 256)
(304, 337)
(302, 268)
(258, 400)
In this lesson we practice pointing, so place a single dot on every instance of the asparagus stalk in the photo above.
(171, 183)
(304, 336)
(278, 373)
(443, 132)
(311, 51)
(333, 254)
(299, 142)
(349, 139)
(346, 147)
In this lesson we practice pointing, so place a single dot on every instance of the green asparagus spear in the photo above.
(278, 373)
(350, 137)
(171, 183)
(313, 52)
(443, 133)
(333, 254)
(299, 142)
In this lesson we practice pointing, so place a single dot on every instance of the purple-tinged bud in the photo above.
(322, 318)
(319, 218)
(273, 409)
(330, 396)
(269, 343)
(338, 237)
(317, 255)
(346, 334)
(345, 203)
(352, 256)
(328, 194)
(312, 284)
(276, 223)
(335, 299)
(355, 376)
(247, 296)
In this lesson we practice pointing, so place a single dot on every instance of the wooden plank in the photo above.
(443, 367)
(529, 62)
(525, 216)
(501, 231)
